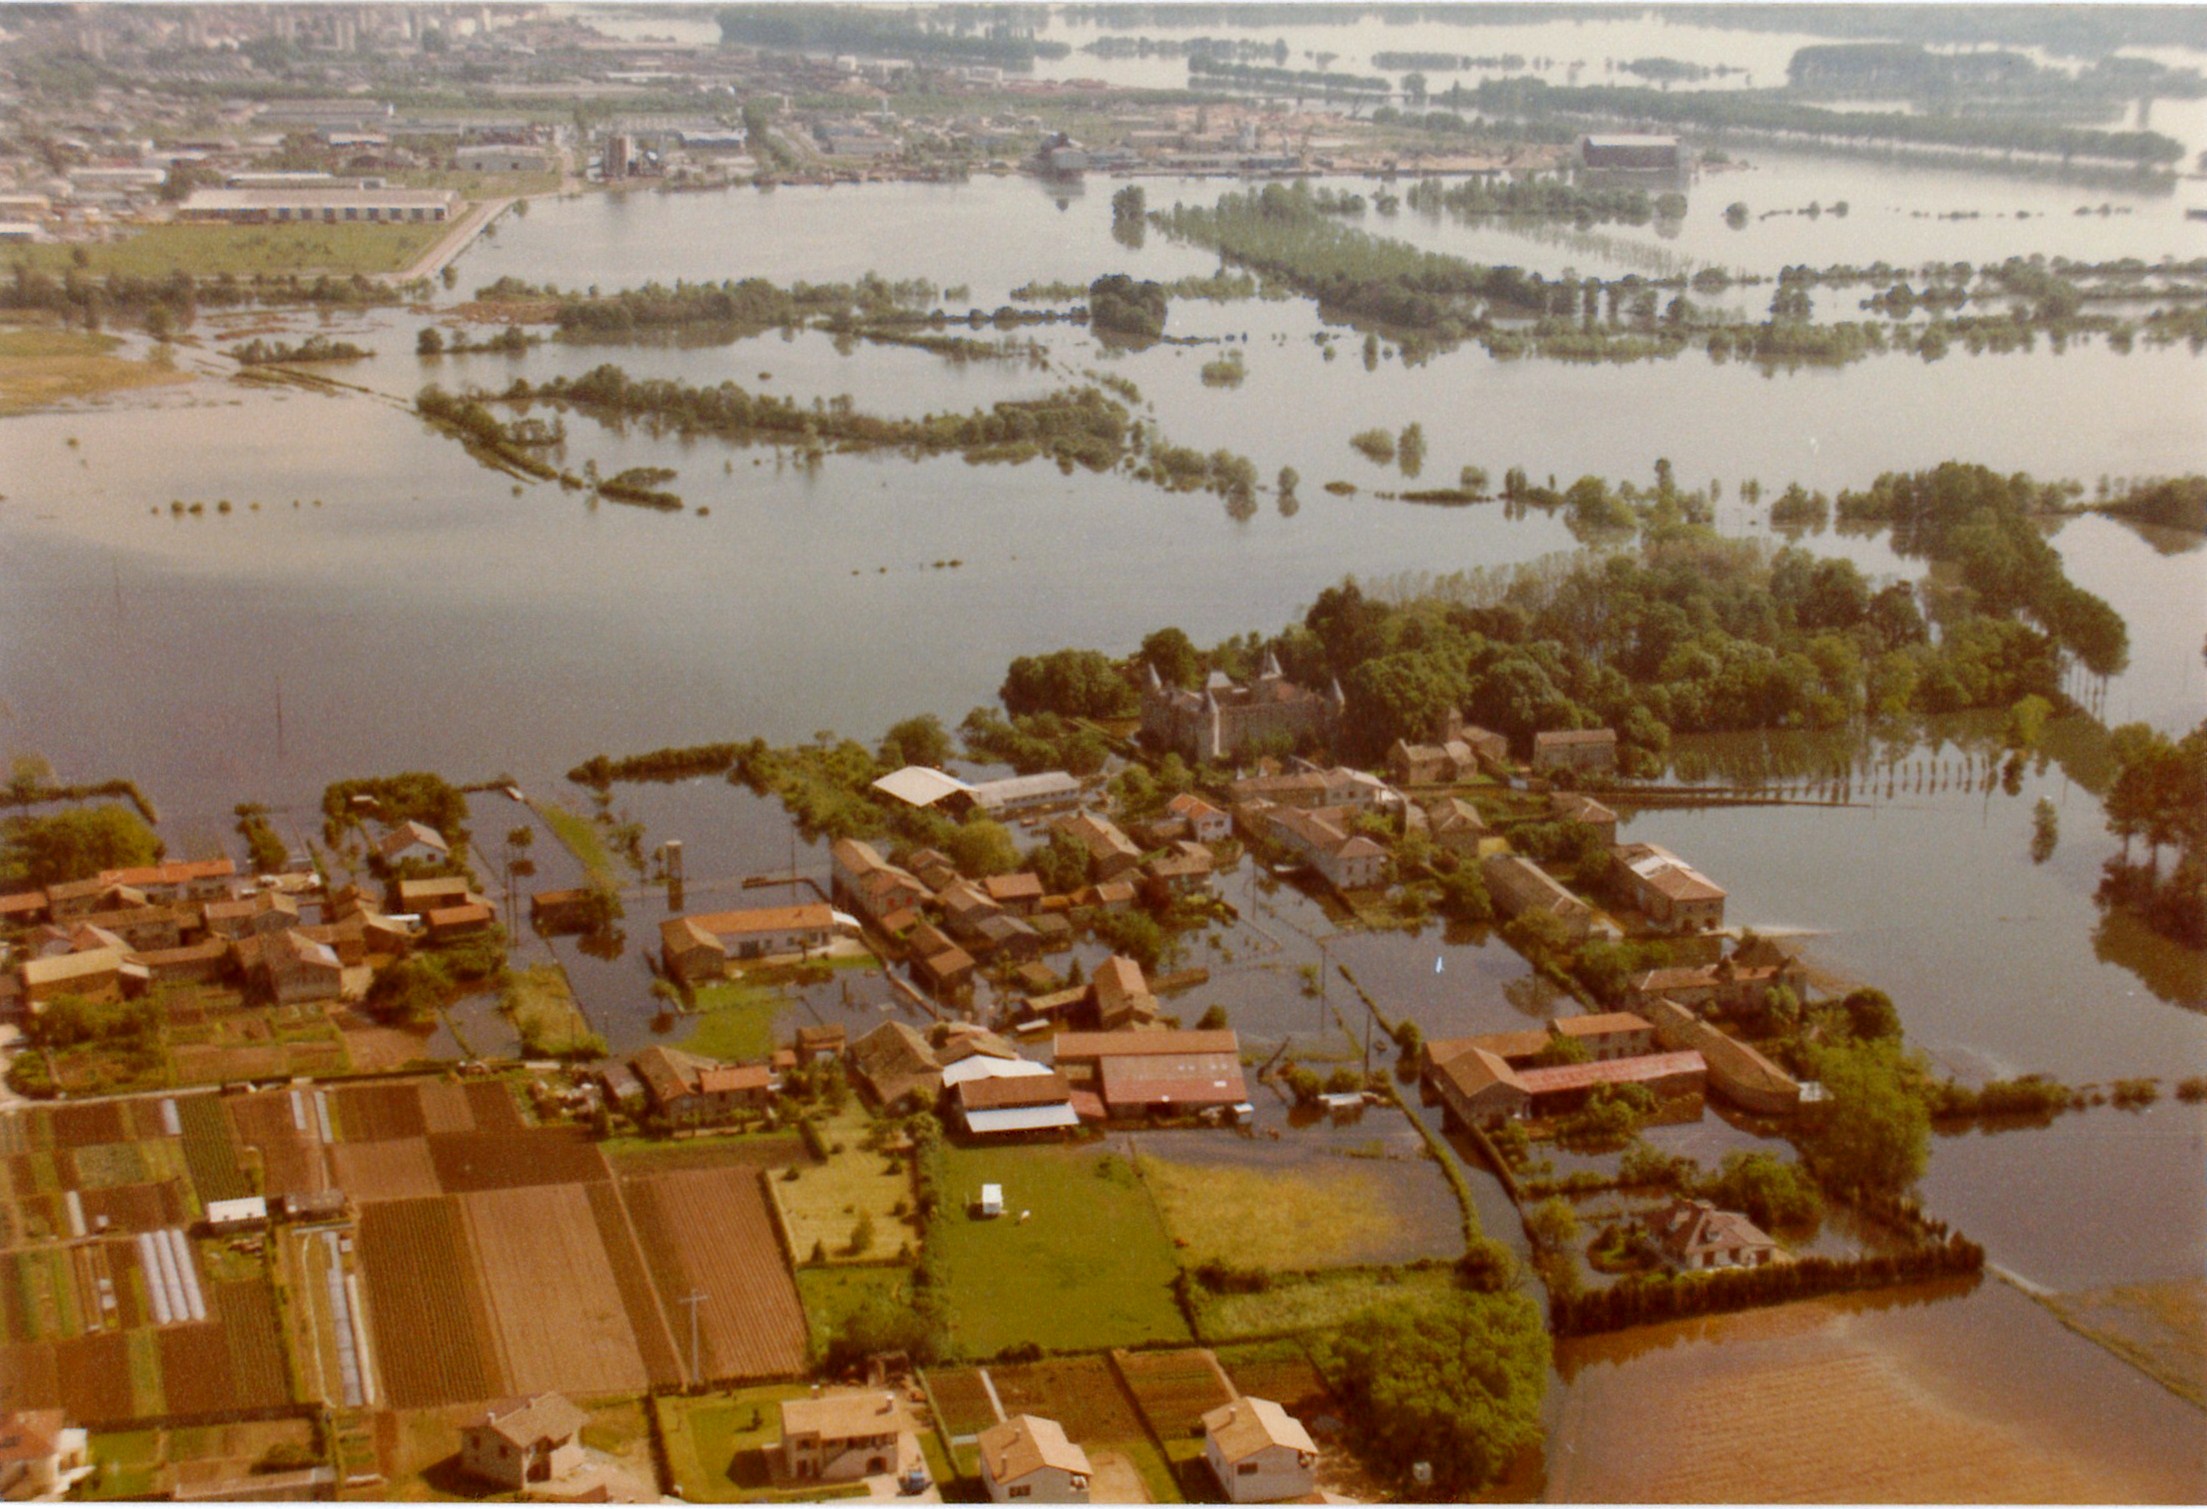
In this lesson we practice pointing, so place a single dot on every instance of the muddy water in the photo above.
(1906, 1395)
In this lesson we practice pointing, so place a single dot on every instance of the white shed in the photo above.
(237, 1215)
(992, 1199)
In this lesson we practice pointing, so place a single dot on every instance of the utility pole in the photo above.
(693, 1299)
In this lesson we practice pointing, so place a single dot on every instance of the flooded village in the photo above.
(1103, 753)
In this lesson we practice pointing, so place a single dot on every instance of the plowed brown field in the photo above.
(432, 1329)
(653, 1343)
(195, 1368)
(493, 1106)
(395, 1170)
(445, 1106)
(95, 1377)
(708, 1231)
(248, 1313)
(135, 1207)
(27, 1376)
(1174, 1390)
(471, 1161)
(555, 1304)
(379, 1113)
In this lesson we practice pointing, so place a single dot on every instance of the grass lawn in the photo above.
(824, 1203)
(1316, 1303)
(635, 1157)
(734, 1020)
(129, 1463)
(208, 251)
(583, 840)
(40, 367)
(716, 1445)
(1090, 1267)
(543, 1009)
(830, 1295)
(1321, 1213)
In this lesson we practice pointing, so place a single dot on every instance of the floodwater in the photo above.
(416, 611)
(1946, 1392)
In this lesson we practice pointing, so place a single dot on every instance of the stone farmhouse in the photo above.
(698, 949)
(843, 1438)
(1673, 895)
(1693, 1235)
(520, 1442)
(1591, 749)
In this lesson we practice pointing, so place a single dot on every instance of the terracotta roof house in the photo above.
(1111, 853)
(299, 969)
(821, 1042)
(177, 879)
(1695, 1235)
(1028, 1457)
(1517, 885)
(1608, 1034)
(944, 967)
(1020, 893)
(42, 1455)
(22, 907)
(699, 948)
(517, 1442)
(691, 1091)
(841, 1438)
(421, 897)
(1259, 1452)
(563, 911)
(1575, 749)
(1160, 1072)
(1460, 828)
(1579, 808)
(1669, 892)
(865, 883)
(1326, 840)
(965, 906)
(1003, 1105)
(258, 915)
(1736, 1071)
(96, 976)
(1111, 896)
(1207, 824)
(1309, 787)
(1122, 997)
(412, 841)
(459, 921)
(1184, 866)
(895, 1065)
(1432, 764)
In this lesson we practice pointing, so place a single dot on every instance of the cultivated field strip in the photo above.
(493, 1108)
(393, 1170)
(379, 1113)
(555, 1304)
(468, 1162)
(1080, 1393)
(653, 1343)
(285, 1127)
(94, 1375)
(445, 1106)
(430, 1325)
(708, 1231)
(249, 1327)
(1174, 1390)
(28, 1379)
(210, 1151)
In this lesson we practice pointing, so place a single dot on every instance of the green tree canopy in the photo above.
(1458, 1385)
(78, 843)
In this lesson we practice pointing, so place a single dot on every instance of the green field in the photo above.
(1089, 1267)
(1323, 1213)
(824, 1203)
(734, 1020)
(208, 251)
(1316, 1303)
(831, 1295)
(543, 1009)
(583, 840)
